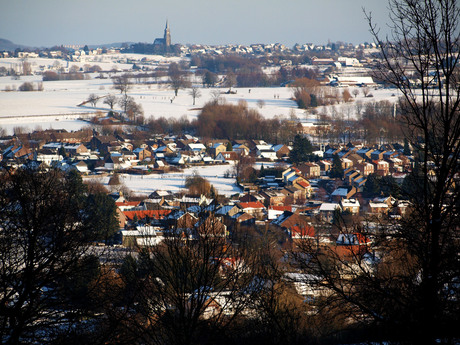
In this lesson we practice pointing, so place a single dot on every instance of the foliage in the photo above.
(180, 288)
(228, 121)
(102, 216)
(26, 87)
(44, 241)
(336, 168)
(301, 149)
(197, 185)
(381, 186)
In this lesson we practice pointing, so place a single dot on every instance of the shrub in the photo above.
(50, 75)
(26, 87)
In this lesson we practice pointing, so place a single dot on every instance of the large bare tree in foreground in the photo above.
(409, 290)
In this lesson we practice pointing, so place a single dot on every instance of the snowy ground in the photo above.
(59, 99)
(146, 184)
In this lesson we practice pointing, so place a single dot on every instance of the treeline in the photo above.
(248, 72)
(53, 76)
(228, 121)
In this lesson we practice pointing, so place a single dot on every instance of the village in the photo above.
(301, 200)
(166, 193)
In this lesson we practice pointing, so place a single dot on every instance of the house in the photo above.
(325, 167)
(365, 152)
(227, 157)
(289, 173)
(350, 205)
(116, 162)
(381, 167)
(227, 210)
(142, 153)
(181, 220)
(273, 197)
(102, 143)
(76, 149)
(255, 208)
(365, 168)
(350, 245)
(241, 149)
(281, 150)
(310, 170)
(327, 211)
(345, 192)
(243, 218)
(211, 226)
(217, 148)
(147, 215)
(377, 155)
(142, 236)
(126, 205)
(47, 156)
(275, 211)
(266, 154)
(295, 225)
(346, 163)
(196, 148)
(330, 152)
(293, 195)
(378, 208)
(82, 167)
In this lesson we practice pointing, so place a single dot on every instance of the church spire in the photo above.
(167, 36)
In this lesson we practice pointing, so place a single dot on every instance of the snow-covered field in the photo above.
(57, 104)
(146, 184)
(56, 107)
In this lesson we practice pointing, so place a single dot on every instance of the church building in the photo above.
(164, 43)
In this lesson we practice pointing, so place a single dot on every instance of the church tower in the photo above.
(167, 36)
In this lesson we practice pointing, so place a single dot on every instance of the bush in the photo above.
(26, 87)
(50, 76)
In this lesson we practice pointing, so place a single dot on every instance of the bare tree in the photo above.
(177, 78)
(405, 284)
(110, 100)
(93, 99)
(122, 83)
(26, 67)
(130, 107)
(195, 93)
(355, 92)
(193, 284)
(365, 90)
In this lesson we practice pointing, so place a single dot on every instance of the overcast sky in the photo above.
(55, 22)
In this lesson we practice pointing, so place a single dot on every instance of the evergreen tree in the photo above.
(301, 149)
(229, 147)
(372, 186)
(102, 215)
(336, 169)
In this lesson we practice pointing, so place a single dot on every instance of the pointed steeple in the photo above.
(167, 36)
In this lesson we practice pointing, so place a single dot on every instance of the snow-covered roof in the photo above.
(327, 206)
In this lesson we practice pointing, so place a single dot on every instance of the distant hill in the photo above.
(8, 45)
(109, 45)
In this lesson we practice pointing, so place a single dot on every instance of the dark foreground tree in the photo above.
(190, 288)
(45, 262)
(406, 287)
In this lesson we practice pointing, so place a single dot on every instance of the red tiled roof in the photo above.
(252, 204)
(304, 184)
(127, 203)
(302, 232)
(155, 214)
(281, 208)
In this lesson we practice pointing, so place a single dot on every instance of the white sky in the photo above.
(55, 22)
